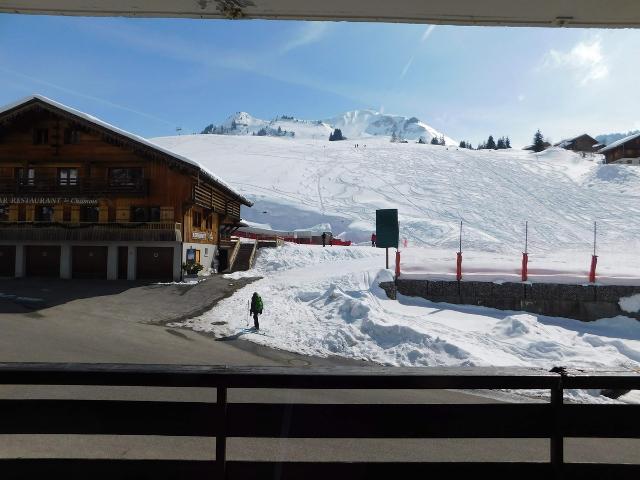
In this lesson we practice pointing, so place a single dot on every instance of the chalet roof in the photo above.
(568, 141)
(131, 136)
(617, 143)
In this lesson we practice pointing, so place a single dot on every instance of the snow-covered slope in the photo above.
(363, 123)
(300, 183)
(355, 124)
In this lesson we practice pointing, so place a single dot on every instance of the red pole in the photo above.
(397, 263)
(459, 267)
(525, 261)
(592, 271)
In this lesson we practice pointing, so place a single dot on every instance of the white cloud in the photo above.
(521, 97)
(311, 32)
(585, 60)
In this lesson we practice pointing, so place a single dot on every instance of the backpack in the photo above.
(257, 307)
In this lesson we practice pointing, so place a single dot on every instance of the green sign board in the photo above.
(387, 231)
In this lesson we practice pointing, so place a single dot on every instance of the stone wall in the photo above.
(582, 302)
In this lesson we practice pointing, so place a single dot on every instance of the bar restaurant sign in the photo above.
(49, 200)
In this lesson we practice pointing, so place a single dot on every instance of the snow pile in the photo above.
(630, 304)
(327, 302)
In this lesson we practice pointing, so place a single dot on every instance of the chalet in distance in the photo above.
(626, 150)
(582, 143)
(80, 198)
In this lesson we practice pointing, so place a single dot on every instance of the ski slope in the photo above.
(301, 183)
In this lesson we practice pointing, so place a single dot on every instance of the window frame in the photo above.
(41, 136)
(38, 217)
(68, 180)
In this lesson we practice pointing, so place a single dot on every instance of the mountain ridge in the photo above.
(353, 124)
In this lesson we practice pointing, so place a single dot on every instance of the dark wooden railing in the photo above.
(554, 420)
(91, 231)
(78, 186)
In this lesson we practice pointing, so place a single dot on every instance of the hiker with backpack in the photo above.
(256, 309)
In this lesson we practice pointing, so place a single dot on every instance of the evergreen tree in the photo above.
(463, 144)
(538, 142)
(500, 144)
(507, 143)
(336, 135)
(435, 141)
(421, 140)
(491, 143)
(441, 141)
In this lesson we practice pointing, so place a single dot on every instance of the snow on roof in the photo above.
(129, 135)
(617, 143)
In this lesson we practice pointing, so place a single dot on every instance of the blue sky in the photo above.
(151, 75)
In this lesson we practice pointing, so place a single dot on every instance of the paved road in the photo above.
(72, 321)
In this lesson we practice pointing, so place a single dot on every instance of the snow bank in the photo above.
(327, 302)
(630, 304)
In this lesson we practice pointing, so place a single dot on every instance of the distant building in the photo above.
(626, 150)
(581, 143)
(531, 147)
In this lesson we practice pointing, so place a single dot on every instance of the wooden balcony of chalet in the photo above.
(97, 187)
(91, 231)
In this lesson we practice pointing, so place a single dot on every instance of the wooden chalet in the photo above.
(581, 143)
(80, 198)
(625, 151)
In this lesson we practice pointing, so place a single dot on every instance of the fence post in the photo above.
(221, 435)
(556, 453)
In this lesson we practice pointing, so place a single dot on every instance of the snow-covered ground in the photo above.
(299, 183)
(326, 301)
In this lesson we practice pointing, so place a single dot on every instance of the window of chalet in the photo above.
(196, 219)
(40, 136)
(4, 213)
(209, 220)
(67, 176)
(25, 176)
(89, 214)
(71, 136)
(125, 176)
(44, 213)
(145, 214)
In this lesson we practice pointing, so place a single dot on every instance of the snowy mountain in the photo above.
(354, 124)
(609, 138)
(298, 183)
(363, 123)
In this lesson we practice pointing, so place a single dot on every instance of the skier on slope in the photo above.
(373, 239)
(256, 309)
(324, 238)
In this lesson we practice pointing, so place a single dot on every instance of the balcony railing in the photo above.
(70, 187)
(91, 231)
(554, 421)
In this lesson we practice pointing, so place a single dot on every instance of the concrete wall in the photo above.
(582, 302)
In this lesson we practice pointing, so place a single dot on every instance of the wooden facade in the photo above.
(582, 143)
(625, 151)
(87, 180)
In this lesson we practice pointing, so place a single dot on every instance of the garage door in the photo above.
(7, 261)
(154, 263)
(43, 261)
(89, 262)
